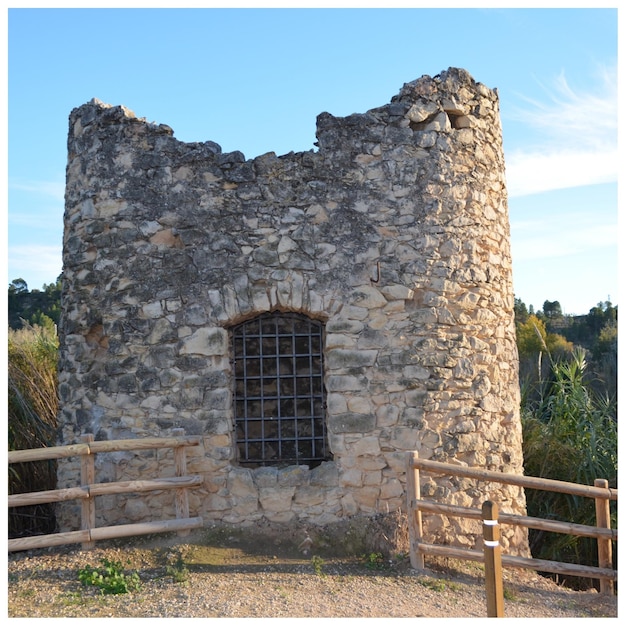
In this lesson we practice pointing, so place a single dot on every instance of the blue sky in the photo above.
(255, 79)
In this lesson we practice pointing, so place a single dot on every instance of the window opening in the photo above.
(279, 398)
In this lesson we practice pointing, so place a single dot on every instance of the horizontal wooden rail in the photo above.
(602, 532)
(46, 454)
(43, 497)
(539, 565)
(139, 486)
(566, 528)
(108, 532)
(148, 443)
(528, 482)
(93, 447)
(101, 489)
(89, 489)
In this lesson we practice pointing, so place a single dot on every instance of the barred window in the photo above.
(279, 399)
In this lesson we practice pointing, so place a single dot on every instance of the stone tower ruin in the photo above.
(312, 316)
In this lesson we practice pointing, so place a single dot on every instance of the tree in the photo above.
(531, 336)
(520, 310)
(17, 289)
(552, 309)
(33, 306)
(18, 286)
(607, 340)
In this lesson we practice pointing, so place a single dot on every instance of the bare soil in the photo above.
(223, 572)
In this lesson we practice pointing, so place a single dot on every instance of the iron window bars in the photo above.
(279, 398)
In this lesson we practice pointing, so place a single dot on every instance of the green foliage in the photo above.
(34, 307)
(438, 584)
(509, 594)
(32, 421)
(32, 386)
(520, 310)
(569, 417)
(178, 569)
(556, 334)
(577, 420)
(317, 562)
(110, 578)
(374, 560)
(552, 309)
(600, 315)
(534, 344)
(606, 342)
(17, 287)
(569, 434)
(533, 338)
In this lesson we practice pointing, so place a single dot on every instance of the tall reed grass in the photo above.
(32, 423)
(569, 434)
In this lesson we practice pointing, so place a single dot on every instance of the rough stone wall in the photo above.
(394, 233)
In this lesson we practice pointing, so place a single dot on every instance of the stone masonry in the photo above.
(394, 234)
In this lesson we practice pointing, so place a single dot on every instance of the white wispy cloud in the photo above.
(36, 264)
(535, 239)
(578, 138)
(48, 188)
(48, 218)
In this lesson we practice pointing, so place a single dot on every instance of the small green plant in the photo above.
(374, 560)
(110, 578)
(178, 570)
(71, 599)
(509, 594)
(435, 584)
(317, 562)
(438, 584)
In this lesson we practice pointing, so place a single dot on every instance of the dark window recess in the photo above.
(279, 400)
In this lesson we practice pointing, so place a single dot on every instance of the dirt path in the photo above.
(227, 574)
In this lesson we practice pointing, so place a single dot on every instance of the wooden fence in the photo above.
(600, 492)
(89, 489)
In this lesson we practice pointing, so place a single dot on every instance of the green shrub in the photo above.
(569, 434)
(177, 569)
(317, 563)
(375, 560)
(110, 578)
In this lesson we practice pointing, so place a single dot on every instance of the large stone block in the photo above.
(206, 341)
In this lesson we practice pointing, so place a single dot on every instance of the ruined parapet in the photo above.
(393, 235)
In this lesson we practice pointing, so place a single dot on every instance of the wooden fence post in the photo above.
(493, 560)
(414, 515)
(88, 505)
(181, 498)
(605, 547)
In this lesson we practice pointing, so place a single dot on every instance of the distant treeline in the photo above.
(37, 307)
(550, 334)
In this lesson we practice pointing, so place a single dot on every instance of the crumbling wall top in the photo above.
(453, 92)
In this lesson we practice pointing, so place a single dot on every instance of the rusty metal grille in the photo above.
(279, 399)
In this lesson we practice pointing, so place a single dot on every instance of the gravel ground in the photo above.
(221, 574)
